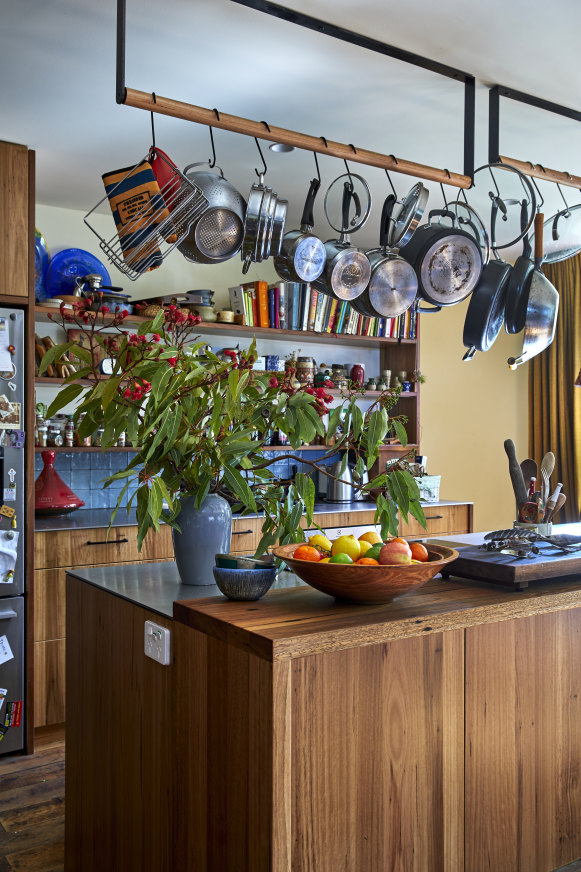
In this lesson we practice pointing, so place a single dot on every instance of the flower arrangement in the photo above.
(201, 424)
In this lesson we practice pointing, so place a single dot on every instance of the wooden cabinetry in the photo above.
(15, 237)
(55, 552)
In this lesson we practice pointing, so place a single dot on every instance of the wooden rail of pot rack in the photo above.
(538, 171)
(260, 130)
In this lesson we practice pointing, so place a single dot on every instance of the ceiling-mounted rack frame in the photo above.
(537, 171)
(262, 130)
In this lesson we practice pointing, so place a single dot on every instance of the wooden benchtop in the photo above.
(294, 623)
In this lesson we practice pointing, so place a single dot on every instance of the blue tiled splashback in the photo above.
(84, 472)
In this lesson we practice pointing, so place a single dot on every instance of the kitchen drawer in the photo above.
(49, 682)
(93, 547)
(440, 519)
(246, 533)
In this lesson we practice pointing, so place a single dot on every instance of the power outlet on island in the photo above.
(156, 643)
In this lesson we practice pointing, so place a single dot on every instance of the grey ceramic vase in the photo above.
(205, 532)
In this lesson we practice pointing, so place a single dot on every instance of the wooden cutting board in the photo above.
(503, 569)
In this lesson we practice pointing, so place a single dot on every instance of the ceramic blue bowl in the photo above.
(244, 584)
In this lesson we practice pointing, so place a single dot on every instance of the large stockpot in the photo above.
(217, 234)
(303, 254)
(447, 260)
(347, 268)
(393, 285)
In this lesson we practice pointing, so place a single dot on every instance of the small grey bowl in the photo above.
(244, 584)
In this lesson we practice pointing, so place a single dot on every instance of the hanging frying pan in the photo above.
(303, 254)
(393, 284)
(447, 260)
(485, 313)
(542, 309)
(409, 216)
(347, 268)
(519, 282)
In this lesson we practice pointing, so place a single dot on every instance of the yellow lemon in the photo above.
(321, 542)
(364, 546)
(371, 536)
(324, 560)
(347, 544)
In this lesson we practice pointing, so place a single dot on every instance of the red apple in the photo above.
(394, 552)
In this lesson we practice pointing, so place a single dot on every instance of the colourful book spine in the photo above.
(262, 294)
(281, 310)
(296, 302)
(271, 315)
(248, 295)
(313, 308)
(306, 291)
(237, 301)
(332, 315)
(321, 302)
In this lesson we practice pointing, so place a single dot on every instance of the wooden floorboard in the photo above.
(32, 808)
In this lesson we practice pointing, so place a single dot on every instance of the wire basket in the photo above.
(156, 227)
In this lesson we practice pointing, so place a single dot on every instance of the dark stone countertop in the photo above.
(85, 519)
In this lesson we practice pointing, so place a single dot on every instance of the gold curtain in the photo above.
(554, 400)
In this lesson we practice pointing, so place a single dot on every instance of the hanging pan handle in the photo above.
(524, 220)
(444, 213)
(202, 163)
(384, 224)
(428, 310)
(307, 219)
(347, 195)
(539, 221)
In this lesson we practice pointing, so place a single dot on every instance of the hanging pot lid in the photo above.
(335, 198)
(409, 215)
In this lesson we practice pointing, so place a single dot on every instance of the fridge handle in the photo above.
(9, 613)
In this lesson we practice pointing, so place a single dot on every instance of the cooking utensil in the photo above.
(562, 234)
(217, 234)
(347, 268)
(303, 254)
(393, 284)
(447, 260)
(409, 215)
(547, 467)
(552, 502)
(516, 476)
(485, 313)
(542, 307)
(519, 282)
(263, 225)
(529, 471)
(559, 505)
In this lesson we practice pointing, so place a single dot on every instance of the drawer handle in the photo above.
(241, 532)
(108, 542)
(434, 517)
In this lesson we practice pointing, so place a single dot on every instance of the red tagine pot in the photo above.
(51, 495)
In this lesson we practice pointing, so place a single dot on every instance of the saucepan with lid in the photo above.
(303, 254)
(393, 284)
(347, 268)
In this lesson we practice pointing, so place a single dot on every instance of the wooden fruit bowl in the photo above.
(363, 584)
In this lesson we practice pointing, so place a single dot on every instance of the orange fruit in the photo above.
(367, 561)
(419, 551)
(400, 540)
(371, 536)
(307, 552)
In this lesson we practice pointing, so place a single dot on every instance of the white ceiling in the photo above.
(57, 59)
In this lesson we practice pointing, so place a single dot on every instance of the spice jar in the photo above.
(54, 437)
(69, 432)
(305, 370)
(42, 432)
(98, 436)
(121, 440)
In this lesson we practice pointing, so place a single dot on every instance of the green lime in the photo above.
(340, 558)
(373, 552)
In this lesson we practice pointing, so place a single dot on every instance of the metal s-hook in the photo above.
(348, 173)
(212, 162)
(391, 183)
(153, 127)
(444, 195)
(265, 170)
(567, 213)
(317, 165)
(541, 198)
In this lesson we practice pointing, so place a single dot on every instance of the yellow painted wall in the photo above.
(467, 409)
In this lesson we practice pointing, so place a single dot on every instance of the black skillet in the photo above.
(519, 282)
(485, 313)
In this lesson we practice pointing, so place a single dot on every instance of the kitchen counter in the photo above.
(300, 733)
(85, 519)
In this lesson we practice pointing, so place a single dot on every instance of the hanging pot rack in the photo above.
(319, 144)
(528, 168)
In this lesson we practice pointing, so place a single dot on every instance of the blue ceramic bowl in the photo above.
(244, 584)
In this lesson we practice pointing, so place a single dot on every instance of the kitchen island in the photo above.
(439, 732)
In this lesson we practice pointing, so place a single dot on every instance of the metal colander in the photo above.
(217, 235)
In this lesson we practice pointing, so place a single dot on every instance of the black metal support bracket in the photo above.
(341, 33)
(494, 96)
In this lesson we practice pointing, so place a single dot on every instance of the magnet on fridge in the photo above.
(8, 511)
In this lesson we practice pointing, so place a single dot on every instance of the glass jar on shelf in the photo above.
(41, 432)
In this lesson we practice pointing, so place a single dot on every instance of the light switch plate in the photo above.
(156, 643)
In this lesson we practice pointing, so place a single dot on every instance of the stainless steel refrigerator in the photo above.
(12, 531)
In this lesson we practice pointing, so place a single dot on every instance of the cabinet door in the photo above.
(14, 235)
(523, 743)
(440, 520)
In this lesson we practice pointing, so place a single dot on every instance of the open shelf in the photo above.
(69, 448)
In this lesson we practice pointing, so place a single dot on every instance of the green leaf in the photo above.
(400, 431)
(418, 513)
(64, 397)
(159, 381)
(315, 419)
(307, 430)
(155, 503)
(238, 484)
(81, 353)
(397, 487)
(334, 420)
(109, 391)
(158, 321)
(357, 423)
(54, 353)
(306, 489)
